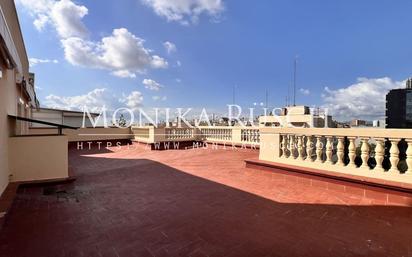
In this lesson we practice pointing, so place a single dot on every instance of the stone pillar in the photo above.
(329, 152)
(319, 149)
(379, 154)
(309, 148)
(292, 146)
(352, 152)
(301, 148)
(269, 145)
(394, 156)
(409, 157)
(285, 146)
(340, 153)
(365, 153)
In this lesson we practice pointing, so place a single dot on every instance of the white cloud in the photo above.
(64, 15)
(41, 21)
(122, 53)
(133, 101)
(123, 74)
(178, 63)
(34, 61)
(304, 91)
(170, 47)
(159, 98)
(158, 62)
(67, 18)
(365, 99)
(95, 100)
(185, 12)
(152, 85)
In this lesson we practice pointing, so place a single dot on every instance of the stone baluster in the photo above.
(394, 156)
(352, 152)
(329, 152)
(285, 146)
(319, 149)
(309, 148)
(301, 149)
(340, 151)
(292, 146)
(409, 157)
(365, 153)
(379, 154)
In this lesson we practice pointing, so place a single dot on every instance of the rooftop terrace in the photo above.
(197, 202)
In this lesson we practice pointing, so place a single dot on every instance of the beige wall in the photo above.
(10, 92)
(296, 119)
(12, 20)
(8, 105)
(4, 130)
(34, 158)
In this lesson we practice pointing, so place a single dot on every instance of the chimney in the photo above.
(409, 83)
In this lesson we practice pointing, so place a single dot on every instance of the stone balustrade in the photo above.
(217, 134)
(179, 133)
(377, 153)
(230, 135)
(250, 135)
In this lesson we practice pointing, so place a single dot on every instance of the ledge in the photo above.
(389, 192)
(9, 194)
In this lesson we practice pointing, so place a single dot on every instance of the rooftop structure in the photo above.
(63, 117)
(399, 107)
(298, 116)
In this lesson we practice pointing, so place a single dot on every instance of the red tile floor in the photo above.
(196, 202)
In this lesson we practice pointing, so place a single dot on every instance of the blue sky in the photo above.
(350, 53)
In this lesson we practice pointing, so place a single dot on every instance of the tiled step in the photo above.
(384, 192)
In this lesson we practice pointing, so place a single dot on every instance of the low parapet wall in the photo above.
(38, 158)
(377, 154)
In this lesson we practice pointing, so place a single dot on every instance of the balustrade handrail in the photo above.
(221, 134)
(369, 152)
(345, 132)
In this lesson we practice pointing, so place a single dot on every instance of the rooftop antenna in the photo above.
(288, 96)
(234, 94)
(266, 98)
(294, 80)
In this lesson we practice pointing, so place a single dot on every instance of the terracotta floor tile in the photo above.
(137, 202)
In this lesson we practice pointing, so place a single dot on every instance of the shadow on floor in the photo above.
(140, 207)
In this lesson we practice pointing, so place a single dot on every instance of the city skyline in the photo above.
(152, 54)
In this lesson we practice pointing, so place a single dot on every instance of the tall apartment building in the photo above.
(399, 107)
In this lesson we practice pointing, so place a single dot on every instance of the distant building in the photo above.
(342, 124)
(399, 107)
(63, 117)
(358, 123)
(298, 116)
(378, 124)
